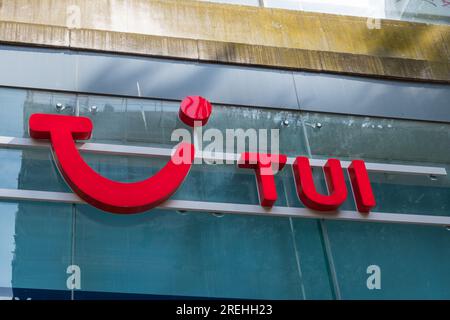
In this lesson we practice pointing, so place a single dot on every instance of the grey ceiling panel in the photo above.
(145, 77)
(373, 97)
(37, 68)
(169, 79)
(175, 80)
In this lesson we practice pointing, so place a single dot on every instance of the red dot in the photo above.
(195, 111)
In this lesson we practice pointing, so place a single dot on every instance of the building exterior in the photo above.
(344, 79)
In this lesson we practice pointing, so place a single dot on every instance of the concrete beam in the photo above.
(233, 34)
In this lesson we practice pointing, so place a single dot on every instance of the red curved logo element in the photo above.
(195, 111)
(103, 193)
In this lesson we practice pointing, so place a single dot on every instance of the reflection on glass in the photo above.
(30, 170)
(388, 141)
(378, 138)
(148, 122)
(153, 122)
(108, 118)
(413, 260)
(427, 11)
(196, 254)
(35, 250)
(242, 2)
(16, 106)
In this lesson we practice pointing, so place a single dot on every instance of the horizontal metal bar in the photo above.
(245, 209)
(98, 148)
(125, 150)
(390, 168)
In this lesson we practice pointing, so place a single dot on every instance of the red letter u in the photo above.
(307, 191)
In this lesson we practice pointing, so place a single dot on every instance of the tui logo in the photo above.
(135, 197)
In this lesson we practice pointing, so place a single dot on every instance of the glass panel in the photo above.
(429, 11)
(30, 170)
(434, 11)
(286, 124)
(16, 106)
(11, 112)
(35, 250)
(284, 4)
(314, 265)
(372, 97)
(195, 254)
(108, 117)
(152, 123)
(413, 260)
(388, 141)
(242, 2)
(364, 8)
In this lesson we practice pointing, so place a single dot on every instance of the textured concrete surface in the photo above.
(232, 34)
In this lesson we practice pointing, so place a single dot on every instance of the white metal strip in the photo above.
(234, 208)
(12, 142)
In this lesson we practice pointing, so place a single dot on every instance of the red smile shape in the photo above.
(106, 194)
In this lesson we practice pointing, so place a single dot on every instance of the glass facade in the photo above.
(426, 11)
(165, 253)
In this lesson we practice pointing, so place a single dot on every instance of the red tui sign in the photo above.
(127, 198)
